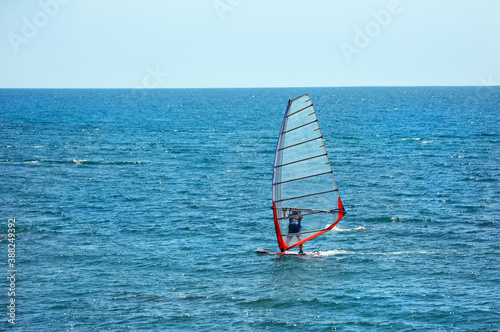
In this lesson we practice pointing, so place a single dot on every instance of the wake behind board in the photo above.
(262, 251)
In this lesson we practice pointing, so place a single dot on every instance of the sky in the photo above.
(248, 43)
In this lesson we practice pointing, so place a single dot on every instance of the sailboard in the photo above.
(289, 253)
(304, 188)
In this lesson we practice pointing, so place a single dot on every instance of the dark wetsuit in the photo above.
(294, 225)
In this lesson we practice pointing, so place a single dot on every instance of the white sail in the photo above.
(302, 177)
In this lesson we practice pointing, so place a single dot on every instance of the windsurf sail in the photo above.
(303, 179)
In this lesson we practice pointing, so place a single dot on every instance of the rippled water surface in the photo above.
(142, 210)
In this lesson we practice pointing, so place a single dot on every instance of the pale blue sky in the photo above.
(248, 43)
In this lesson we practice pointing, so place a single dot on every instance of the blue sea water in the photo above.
(142, 209)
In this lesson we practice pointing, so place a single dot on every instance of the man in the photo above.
(294, 226)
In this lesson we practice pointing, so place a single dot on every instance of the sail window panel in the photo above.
(309, 186)
(304, 168)
(302, 151)
(312, 222)
(307, 178)
(300, 118)
(299, 105)
(301, 133)
(327, 201)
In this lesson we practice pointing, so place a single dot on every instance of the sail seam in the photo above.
(299, 110)
(304, 142)
(300, 126)
(317, 212)
(305, 159)
(304, 177)
(297, 197)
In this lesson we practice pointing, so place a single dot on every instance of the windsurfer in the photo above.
(294, 226)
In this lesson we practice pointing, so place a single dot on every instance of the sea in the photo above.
(141, 210)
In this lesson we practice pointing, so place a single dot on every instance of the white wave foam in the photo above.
(335, 252)
(338, 229)
(346, 252)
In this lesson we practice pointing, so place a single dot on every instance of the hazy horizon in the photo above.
(248, 44)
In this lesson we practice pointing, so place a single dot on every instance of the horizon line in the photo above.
(244, 87)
